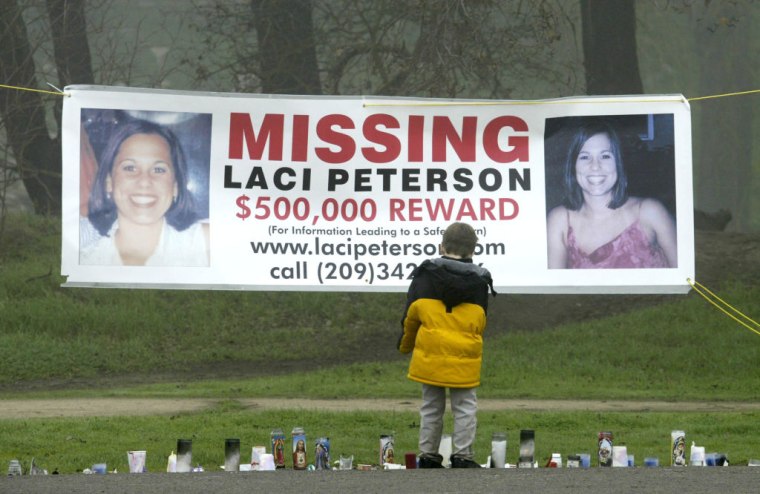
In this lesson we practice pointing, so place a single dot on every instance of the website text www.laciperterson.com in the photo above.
(355, 261)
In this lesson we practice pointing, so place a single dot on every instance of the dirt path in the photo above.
(106, 407)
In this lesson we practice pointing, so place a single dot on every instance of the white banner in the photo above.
(257, 192)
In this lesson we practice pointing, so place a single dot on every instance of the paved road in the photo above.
(687, 480)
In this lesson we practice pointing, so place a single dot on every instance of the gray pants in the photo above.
(464, 406)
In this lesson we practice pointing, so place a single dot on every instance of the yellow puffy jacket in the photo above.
(444, 322)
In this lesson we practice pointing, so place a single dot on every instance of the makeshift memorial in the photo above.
(136, 460)
(184, 455)
(605, 449)
(716, 460)
(386, 449)
(555, 461)
(346, 462)
(256, 454)
(678, 448)
(35, 470)
(267, 463)
(14, 468)
(171, 463)
(697, 455)
(619, 456)
(231, 455)
(299, 448)
(322, 454)
(278, 447)
(526, 457)
(444, 449)
(498, 450)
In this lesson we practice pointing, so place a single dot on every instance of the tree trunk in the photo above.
(609, 47)
(37, 156)
(723, 157)
(71, 48)
(286, 46)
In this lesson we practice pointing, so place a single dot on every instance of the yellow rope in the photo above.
(57, 93)
(698, 287)
(474, 103)
(740, 93)
(518, 102)
(559, 101)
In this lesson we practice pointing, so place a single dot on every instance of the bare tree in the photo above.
(37, 156)
(438, 48)
(49, 41)
(444, 48)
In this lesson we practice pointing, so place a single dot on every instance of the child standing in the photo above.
(443, 326)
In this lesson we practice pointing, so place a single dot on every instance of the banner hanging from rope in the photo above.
(168, 189)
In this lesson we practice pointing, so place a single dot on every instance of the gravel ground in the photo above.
(686, 480)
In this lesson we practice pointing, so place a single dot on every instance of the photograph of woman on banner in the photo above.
(599, 224)
(140, 203)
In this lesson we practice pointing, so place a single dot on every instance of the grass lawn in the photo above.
(117, 342)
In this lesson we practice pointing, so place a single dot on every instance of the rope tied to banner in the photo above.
(59, 92)
(704, 292)
(555, 102)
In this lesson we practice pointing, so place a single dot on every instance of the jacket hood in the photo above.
(457, 281)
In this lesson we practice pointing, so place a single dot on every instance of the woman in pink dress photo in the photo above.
(599, 226)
